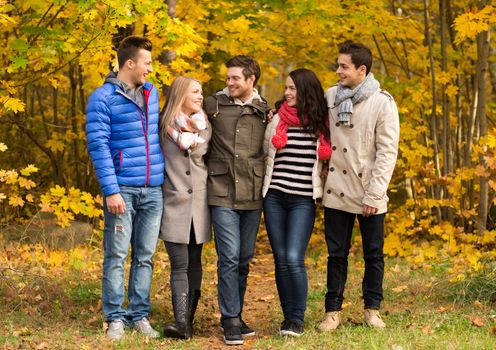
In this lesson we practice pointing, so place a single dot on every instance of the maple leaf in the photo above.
(57, 191)
(29, 170)
(16, 201)
(3, 147)
(26, 183)
(399, 289)
(478, 322)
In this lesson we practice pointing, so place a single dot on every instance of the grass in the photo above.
(421, 308)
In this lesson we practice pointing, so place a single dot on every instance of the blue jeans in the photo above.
(338, 230)
(138, 226)
(235, 234)
(289, 220)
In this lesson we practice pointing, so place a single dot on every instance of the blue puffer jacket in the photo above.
(123, 139)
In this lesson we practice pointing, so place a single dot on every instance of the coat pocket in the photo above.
(258, 173)
(218, 178)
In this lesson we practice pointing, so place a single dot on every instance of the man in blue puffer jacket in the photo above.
(123, 142)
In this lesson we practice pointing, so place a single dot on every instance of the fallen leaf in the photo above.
(345, 305)
(267, 297)
(42, 345)
(396, 269)
(426, 329)
(477, 303)
(444, 308)
(478, 322)
(493, 330)
(399, 289)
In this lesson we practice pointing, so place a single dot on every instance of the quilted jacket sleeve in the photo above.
(98, 131)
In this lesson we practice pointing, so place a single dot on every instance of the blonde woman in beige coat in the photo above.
(185, 133)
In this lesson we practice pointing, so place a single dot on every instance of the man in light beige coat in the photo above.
(364, 127)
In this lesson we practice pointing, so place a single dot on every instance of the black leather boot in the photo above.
(181, 328)
(194, 296)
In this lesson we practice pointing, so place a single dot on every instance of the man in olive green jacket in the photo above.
(235, 167)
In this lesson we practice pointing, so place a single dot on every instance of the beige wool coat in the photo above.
(270, 150)
(185, 192)
(364, 154)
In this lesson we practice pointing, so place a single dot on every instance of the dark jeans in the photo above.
(289, 220)
(235, 233)
(338, 229)
(186, 265)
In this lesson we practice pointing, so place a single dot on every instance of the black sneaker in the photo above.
(284, 327)
(232, 331)
(293, 329)
(245, 330)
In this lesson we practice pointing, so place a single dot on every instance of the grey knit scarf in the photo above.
(346, 97)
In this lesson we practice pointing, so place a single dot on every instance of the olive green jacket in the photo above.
(236, 155)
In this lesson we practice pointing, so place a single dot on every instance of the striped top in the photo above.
(294, 163)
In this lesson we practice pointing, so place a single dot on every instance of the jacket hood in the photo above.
(136, 95)
(256, 96)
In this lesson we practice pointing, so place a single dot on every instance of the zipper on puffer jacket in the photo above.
(120, 160)
(144, 126)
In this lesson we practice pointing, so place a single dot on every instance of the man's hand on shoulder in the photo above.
(368, 210)
(115, 204)
(271, 114)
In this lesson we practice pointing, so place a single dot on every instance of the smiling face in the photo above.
(349, 75)
(290, 92)
(193, 100)
(238, 86)
(140, 67)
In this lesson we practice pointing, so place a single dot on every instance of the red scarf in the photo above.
(288, 116)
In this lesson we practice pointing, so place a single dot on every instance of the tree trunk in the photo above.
(447, 168)
(433, 122)
(167, 56)
(482, 63)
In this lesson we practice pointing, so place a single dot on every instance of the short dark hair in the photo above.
(360, 54)
(130, 46)
(249, 65)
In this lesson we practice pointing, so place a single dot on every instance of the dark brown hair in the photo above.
(130, 46)
(249, 65)
(310, 102)
(360, 54)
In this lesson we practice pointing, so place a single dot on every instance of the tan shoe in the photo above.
(373, 319)
(331, 321)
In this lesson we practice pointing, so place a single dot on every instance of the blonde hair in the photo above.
(175, 101)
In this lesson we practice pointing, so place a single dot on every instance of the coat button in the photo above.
(341, 194)
(188, 172)
(333, 148)
(329, 191)
(331, 168)
(360, 175)
(190, 191)
(186, 154)
(337, 124)
(345, 150)
(344, 172)
(351, 126)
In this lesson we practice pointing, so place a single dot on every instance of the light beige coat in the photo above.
(271, 151)
(185, 192)
(364, 154)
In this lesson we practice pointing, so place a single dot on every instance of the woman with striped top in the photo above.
(296, 142)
